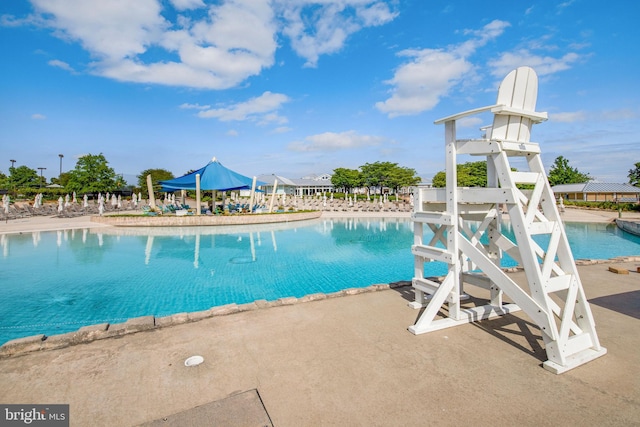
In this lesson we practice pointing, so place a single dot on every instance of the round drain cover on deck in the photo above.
(194, 361)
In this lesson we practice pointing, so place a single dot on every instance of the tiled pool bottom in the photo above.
(56, 282)
(86, 334)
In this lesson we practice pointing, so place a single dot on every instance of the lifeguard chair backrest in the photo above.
(518, 90)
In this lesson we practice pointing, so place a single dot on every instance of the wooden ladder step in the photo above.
(442, 218)
(425, 285)
(432, 253)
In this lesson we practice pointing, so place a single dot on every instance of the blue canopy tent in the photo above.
(213, 177)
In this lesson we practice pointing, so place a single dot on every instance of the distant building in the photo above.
(313, 184)
(321, 177)
(284, 185)
(306, 186)
(597, 192)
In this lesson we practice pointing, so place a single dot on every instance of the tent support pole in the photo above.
(152, 198)
(253, 192)
(273, 195)
(198, 207)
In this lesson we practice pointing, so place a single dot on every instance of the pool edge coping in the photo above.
(90, 333)
(202, 220)
(87, 334)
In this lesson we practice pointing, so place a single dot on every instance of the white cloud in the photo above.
(568, 117)
(232, 132)
(187, 4)
(322, 27)
(208, 46)
(330, 141)
(544, 65)
(579, 46)
(262, 109)
(38, 116)
(419, 84)
(562, 6)
(171, 73)
(233, 41)
(375, 13)
(282, 129)
(13, 21)
(109, 30)
(480, 37)
(273, 118)
(187, 106)
(61, 64)
(621, 114)
(470, 122)
(593, 116)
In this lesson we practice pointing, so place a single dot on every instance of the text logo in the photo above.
(34, 415)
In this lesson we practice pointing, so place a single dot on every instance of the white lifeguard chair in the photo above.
(467, 235)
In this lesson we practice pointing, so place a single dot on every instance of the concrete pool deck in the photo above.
(347, 361)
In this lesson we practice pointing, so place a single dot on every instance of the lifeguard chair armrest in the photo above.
(466, 113)
(496, 109)
(533, 115)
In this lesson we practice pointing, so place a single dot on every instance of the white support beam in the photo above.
(467, 315)
(476, 279)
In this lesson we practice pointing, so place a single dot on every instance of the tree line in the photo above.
(474, 174)
(92, 174)
(375, 175)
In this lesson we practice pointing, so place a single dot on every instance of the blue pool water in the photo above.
(56, 282)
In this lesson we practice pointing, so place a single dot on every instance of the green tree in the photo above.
(374, 174)
(157, 175)
(120, 183)
(634, 175)
(562, 173)
(470, 174)
(347, 178)
(92, 174)
(24, 177)
(402, 177)
(63, 179)
(4, 181)
(473, 174)
(439, 180)
(387, 174)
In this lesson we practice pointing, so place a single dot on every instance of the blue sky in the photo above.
(295, 87)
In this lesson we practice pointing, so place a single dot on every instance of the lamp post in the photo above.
(41, 169)
(11, 178)
(61, 156)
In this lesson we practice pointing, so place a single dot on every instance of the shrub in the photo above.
(608, 205)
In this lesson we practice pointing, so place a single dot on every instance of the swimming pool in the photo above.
(56, 282)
